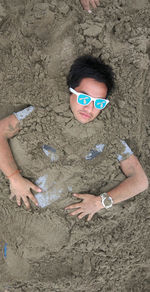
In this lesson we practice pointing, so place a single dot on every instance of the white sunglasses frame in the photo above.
(92, 98)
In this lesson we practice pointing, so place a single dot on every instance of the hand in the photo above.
(21, 188)
(86, 4)
(89, 206)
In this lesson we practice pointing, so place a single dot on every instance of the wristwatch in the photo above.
(107, 201)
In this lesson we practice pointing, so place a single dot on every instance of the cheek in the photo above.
(96, 112)
(73, 102)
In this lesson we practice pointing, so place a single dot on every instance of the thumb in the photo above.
(81, 196)
(35, 188)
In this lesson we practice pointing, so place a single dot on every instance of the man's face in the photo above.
(85, 114)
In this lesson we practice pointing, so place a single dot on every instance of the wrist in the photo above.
(99, 202)
(15, 176)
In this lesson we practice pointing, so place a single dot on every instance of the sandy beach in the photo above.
(44, 249)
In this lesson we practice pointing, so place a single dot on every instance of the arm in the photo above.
(19, 186)
(135, 183)
(87, 3)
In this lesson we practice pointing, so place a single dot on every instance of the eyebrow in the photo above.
(84, 92)
(92, 96)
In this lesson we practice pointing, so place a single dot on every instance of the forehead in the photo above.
(92, 87)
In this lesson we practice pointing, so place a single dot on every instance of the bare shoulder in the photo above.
(9, 126)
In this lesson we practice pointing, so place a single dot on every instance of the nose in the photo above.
(89, 107)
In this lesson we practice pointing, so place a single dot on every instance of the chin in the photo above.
(82, 121)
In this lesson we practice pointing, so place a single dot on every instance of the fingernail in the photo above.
(89, 11)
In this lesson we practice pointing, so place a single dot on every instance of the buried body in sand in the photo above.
(74, 168)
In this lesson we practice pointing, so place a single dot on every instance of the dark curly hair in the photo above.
(88, 66)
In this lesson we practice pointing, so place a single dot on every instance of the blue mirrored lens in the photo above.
(100, 103)
(84, 99)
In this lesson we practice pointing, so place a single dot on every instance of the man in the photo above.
(90, 82)
(87, 4)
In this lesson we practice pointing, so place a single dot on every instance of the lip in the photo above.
(85, 115)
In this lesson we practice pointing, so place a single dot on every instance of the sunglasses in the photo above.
(84, 99)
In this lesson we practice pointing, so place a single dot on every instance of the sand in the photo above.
(47, 250)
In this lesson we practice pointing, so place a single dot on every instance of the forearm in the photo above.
(19, 186)
(7, 162)
(9, 127)
(135, 183)
(128, 188)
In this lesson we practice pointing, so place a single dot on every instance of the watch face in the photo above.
(108, 202)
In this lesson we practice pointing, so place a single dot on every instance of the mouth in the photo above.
(85, 115)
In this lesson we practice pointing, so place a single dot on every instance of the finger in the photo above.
(90, 217)
(92, 2)
(80, 196)
(85, 4)
(97, 2)
(26, 202)
(35, 188)
(81, 215)
(33, 199)
(18, 199)
(76, 212)
(74, 206)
